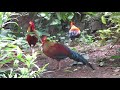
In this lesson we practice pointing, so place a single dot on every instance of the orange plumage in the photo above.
(74, 31)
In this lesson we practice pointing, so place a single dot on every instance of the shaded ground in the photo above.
(110, 68)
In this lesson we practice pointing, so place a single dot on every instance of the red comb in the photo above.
(32, 25)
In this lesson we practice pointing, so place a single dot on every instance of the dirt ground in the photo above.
(109, 68)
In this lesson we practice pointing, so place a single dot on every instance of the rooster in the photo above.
(32, 39)
(59, 51)
(74, 31)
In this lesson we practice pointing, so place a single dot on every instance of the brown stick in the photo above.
(113, 44)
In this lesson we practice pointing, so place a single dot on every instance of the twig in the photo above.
(113, 45)
(47, 72)
(115, 42)
(9, 23)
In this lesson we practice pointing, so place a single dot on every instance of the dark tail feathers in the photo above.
(79, 58)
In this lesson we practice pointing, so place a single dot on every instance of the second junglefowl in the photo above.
(59, 52)
(32, 39)
(74, 31)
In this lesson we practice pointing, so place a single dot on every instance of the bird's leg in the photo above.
(73, 41)
(58, 65)
(40, 46)
(32, 50)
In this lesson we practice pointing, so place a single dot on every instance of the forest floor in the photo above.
(99, 57)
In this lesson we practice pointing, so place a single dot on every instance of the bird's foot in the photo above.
(49, 71)
(76, 64)
(73, 64)
(58, 66)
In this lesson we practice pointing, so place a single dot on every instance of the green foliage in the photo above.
(45, 15)
(23, 64)
(111, 33)
(103, 20)
(57, 15)
(13, 48)
(13, 54)
(105, 35)
(5, 19)
(114, 17)
(52, 38)
(91, 13)
(115, 57)
(87, 39)
(74, 49)
(52, 19)
(65, 15)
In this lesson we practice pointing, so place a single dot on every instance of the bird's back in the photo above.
(55, 50)
(74, 32)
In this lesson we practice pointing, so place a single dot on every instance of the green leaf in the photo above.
(91, 13)
(74, 49)
(46, 15)
(1, 13)
(43, 14)
(115, 57)
(103, 20)
(2, 58)
(43, 68)
(24, 70)
(1, 22)
(58, 15)
(42, 33)
(28, 64)
(11, 46)
(70, 16)
(28, 57)
(16, 62)
(3, 44)
(55, 22)
(8, 38)
(6, 61)
(19, 53)
(19, 56)
(8, 49)
(21, 59)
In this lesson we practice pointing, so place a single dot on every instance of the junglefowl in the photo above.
(74, 31)
(32, 39)
(59, 51)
